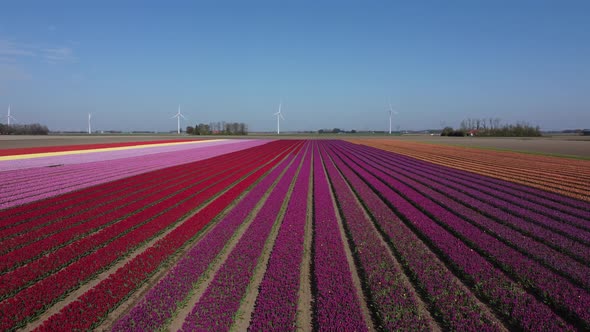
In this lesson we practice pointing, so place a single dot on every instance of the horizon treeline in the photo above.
(23, 129)
(492, 127)
(218, 128)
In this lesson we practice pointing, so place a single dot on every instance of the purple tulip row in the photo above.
(276, 304)
(528, 228)
(554, 288)
(518, 205)
(571, 215)
(392, 300)
(546, 198)
(489, 281)
(19, 187)
(551, 205)
(217, 307)
(452, 305)
(336, 305)
(159, 304)
(463, 204)
(570, 223)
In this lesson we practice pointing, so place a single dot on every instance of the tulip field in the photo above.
(298, 234)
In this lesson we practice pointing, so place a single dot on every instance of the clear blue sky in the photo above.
(334, 64)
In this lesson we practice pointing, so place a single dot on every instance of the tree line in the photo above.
(492, 127)
(23, 129)
(218, 128)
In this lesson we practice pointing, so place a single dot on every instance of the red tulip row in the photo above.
(158, 305)
(135, 231)
(111, 226)
(41, 225)
(219, 303)
(93, 305)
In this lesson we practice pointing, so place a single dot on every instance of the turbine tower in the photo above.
(279, 117)
(178, 116)
(89, 127)
(8, 117)
(391, 112)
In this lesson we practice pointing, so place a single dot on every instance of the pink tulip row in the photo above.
(40, 183)
(88, 156)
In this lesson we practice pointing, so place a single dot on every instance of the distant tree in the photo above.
(447, 131)
(203, 129)
(24, 129)
(336, 130)
(190, 130)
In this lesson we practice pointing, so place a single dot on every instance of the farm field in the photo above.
(292, 234)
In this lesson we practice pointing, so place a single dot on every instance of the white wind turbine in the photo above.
(391, 112)
(8, 117)
(178, 116)
(89, 127)
(279, 117)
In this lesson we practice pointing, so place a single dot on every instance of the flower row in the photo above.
(159, 304)
(93, 305)
(221, 300)
(34, 182)
(451, 304)
(137, 230)
(336, 304)
(277, 301)
(490, 281)
(394, 302)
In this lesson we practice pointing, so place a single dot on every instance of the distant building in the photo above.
(586, 132)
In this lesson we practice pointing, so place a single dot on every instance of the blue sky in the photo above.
(333, 64)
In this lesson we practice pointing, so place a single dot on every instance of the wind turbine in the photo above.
(89, 127)
(177, 116)
(8, 117)
(279, 117)
(391, 112)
